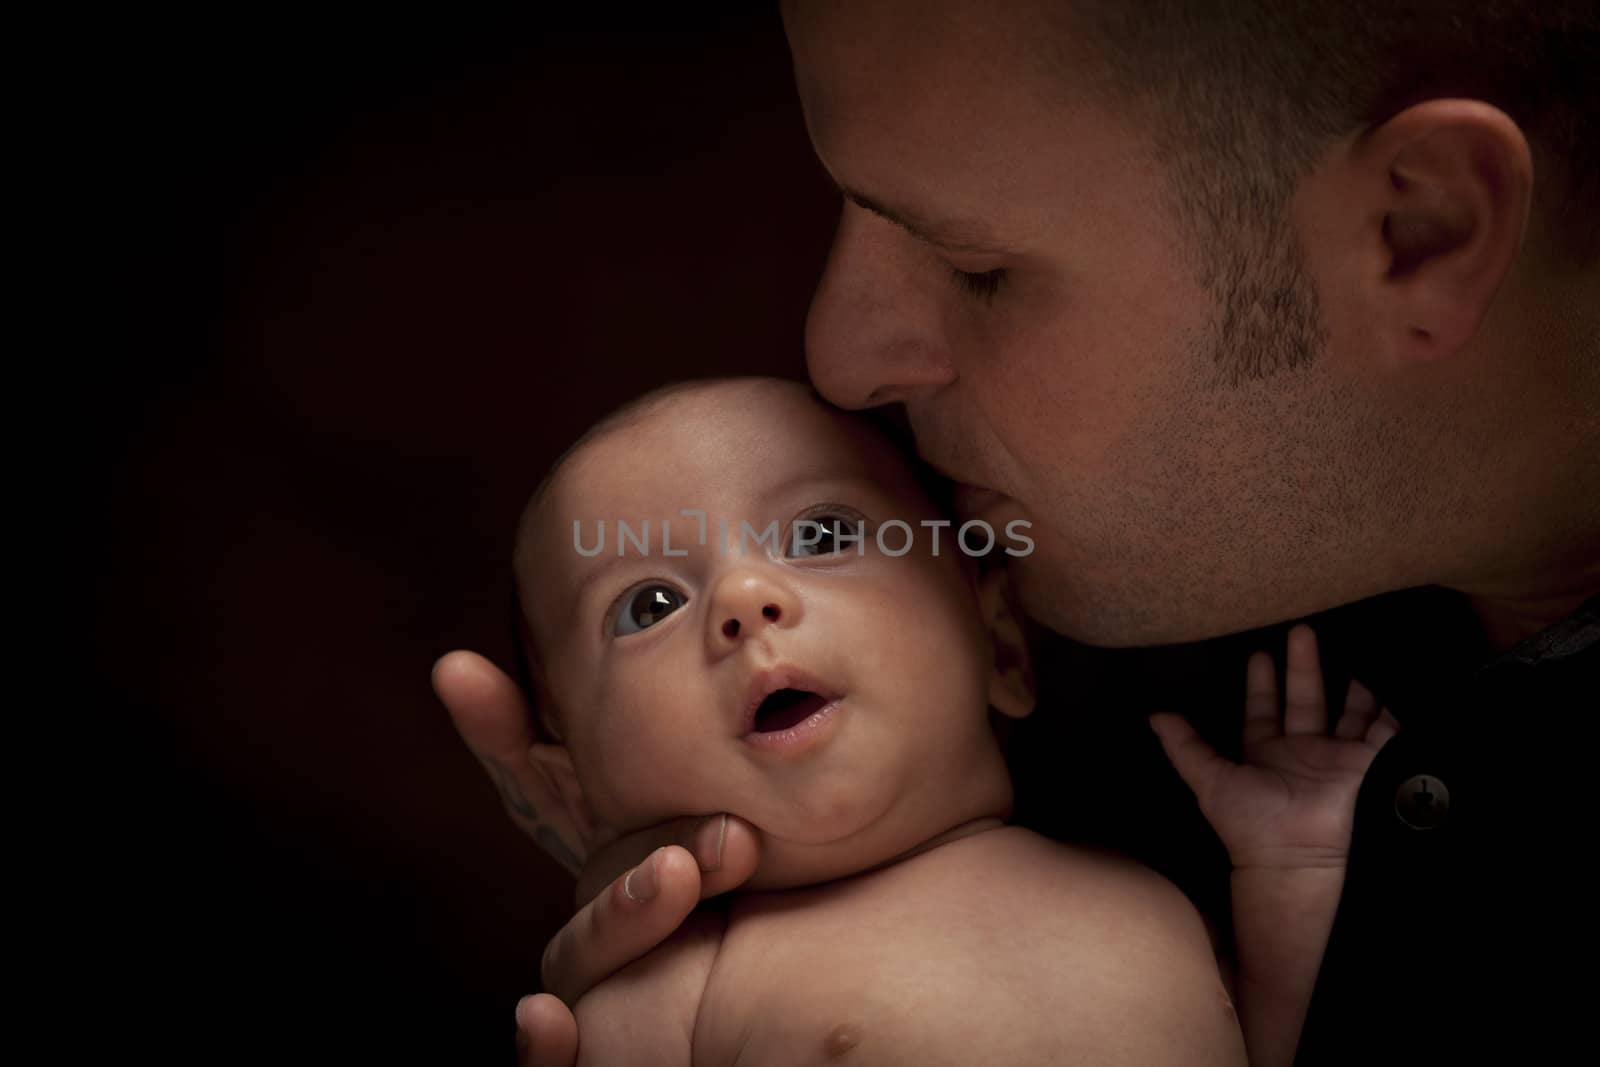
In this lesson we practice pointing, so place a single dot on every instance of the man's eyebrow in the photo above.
(956, 235)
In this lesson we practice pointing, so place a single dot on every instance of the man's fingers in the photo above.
(1305, 705)
(1196, 762)
(1360, 710)
(633, 915)
(547, 1033)
(737, 848)
(725, 848)
(1261, 720)
(623, 917)
(493, 719)
(485, 705)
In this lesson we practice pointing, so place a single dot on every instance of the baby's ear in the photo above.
(1011, 688)
(553, 763)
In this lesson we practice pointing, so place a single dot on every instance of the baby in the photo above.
(738, 599)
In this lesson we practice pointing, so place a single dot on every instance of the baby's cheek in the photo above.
(618, 767)
(645, 775)
(934, 635)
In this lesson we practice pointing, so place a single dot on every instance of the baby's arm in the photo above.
(1285, 814)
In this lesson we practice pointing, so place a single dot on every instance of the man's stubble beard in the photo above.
(1268, 488)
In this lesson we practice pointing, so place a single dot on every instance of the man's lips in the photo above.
(973, 500)
(970, 498)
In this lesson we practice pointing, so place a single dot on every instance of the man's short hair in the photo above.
(1247, 93)
(1243, 96)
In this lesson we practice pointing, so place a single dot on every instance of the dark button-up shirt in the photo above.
(1465, 931)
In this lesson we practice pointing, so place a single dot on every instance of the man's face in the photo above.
(1007, 266)
(656, 660)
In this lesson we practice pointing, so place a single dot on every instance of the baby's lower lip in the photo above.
(803, 736)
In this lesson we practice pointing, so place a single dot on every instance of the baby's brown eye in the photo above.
(645, 607)
(825, 533)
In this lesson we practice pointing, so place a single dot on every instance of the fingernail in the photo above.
(708, 843)
(640, 883)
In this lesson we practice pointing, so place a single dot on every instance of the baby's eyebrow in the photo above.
(820, 478)
(593, 572)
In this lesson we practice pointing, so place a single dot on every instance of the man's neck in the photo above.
(1509, 620)
(1538, 557)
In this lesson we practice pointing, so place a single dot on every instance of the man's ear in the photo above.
(1011, 687)
(1451, 186)
(553, 763)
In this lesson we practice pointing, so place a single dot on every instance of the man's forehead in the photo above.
(853, 65)
(931, 124)
(852, 55)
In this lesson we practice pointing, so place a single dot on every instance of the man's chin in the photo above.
(1140, 613)
(1103, 615)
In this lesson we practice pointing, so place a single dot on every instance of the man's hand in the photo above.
(494, 720)
(631, 894)
(1291, 802)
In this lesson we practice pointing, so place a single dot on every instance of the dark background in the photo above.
(373, 277)
(367, 279)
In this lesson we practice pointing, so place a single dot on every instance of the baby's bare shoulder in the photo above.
(1014, 864)
(1088, 951)
(1065, 896)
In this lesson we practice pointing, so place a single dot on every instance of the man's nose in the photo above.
(873, 335)
(746, 603)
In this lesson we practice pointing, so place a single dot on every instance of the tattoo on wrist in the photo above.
(522, 809)
(510, 793)
(551, 842)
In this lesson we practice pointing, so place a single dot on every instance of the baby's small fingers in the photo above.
(1261, 721)
(1196, 762)
(1305, 704)
(1382, 729)
(1360, 709)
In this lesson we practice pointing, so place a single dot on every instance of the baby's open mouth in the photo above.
(785, 708)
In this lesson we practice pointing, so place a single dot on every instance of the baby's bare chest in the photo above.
(1008, 950)
(882, 973)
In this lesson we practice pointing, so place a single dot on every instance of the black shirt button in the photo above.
(1422, 802)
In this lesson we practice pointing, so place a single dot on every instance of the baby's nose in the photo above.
(731, 625)
(746, 601)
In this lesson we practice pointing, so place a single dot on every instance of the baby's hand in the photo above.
(1291, 802)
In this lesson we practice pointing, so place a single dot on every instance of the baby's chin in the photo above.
(797, 853)
(787, 865)
(815, 842)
